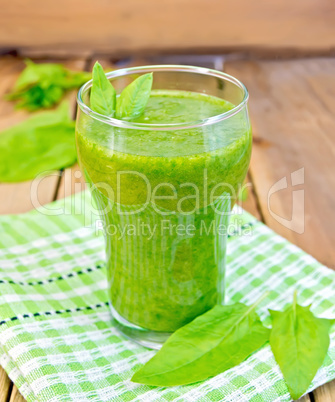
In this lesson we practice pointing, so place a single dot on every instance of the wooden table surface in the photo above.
(292, 108)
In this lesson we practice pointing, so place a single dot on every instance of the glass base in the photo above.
(149, 339)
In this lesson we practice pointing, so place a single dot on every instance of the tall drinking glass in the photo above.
(164, 185)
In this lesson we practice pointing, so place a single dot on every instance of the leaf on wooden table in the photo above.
(43, 85)
(43, 142)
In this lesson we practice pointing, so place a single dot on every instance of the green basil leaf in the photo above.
(43, 142)
(212, 343)
(299, 342)
(103, 95)
(134, 98)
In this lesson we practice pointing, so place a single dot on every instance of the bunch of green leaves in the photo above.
(43, 142)
(43, 85)
(129, 105)
(226, 335)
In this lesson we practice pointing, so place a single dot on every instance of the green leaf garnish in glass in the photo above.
(103, 95)
(129, 105)
(134, 98)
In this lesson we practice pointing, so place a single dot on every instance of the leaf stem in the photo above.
(259, 300)
(295, 305)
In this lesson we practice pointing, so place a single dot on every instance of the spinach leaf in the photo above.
(212, 343)
(134, 98)
(299, 342)
(43, 85)
(43, 142)
(103, 95)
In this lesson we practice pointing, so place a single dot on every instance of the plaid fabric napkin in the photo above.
(57, 341)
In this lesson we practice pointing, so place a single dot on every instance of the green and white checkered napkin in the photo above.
(57, 341)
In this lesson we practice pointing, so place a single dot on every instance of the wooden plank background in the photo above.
(127, 26)
(292, 113)
(292, 108)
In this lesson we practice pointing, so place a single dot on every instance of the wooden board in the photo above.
(5, 386)
(325, 393)
(305, 398)
(292, 114)
(121, 27)
(16, 396)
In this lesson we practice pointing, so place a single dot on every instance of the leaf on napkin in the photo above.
(43, 142)
(212, 343)
(299, 342)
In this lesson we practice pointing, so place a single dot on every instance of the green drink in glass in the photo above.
(165, 184)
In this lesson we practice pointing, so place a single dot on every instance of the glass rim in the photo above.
(165, 126)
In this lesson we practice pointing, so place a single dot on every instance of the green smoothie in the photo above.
(165, 198)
